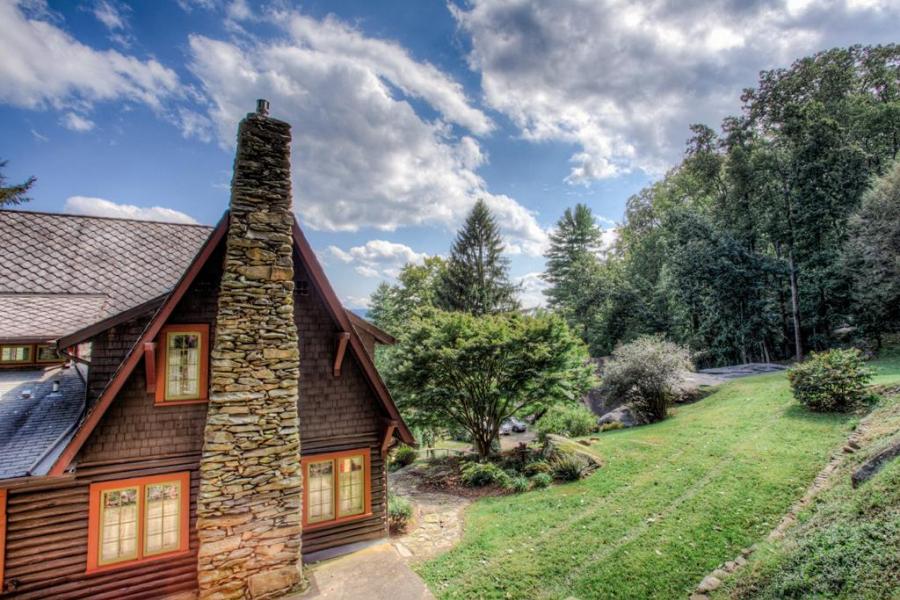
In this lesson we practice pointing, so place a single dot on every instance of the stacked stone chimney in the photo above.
(249, 506)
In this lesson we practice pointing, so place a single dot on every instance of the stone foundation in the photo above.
(249, 505)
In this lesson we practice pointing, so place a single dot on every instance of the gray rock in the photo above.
(625, 415)
(709, 584)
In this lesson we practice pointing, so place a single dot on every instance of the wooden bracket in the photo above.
(343, 339)
(389, 429)
(150, 366)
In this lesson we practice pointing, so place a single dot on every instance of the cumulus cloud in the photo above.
(531, 290)
(99, 207)
(378, 258)
(363, 156)
(622, 80)
(110, 15)
(43, 66)
(75, 122)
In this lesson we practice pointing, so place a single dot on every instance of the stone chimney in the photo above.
(249, 505)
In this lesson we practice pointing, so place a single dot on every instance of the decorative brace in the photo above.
(343, 339)
(150, 366)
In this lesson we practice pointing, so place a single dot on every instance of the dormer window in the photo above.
(183, 365)
(12, 354)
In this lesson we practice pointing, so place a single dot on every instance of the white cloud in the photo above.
(76, 122)
(357, 301)
(378, 258)
(99, 207)
(363, 157)
(531, 292)
(608, 239)
(622, 81)
(43, 66)
(39, 136)
(108, 13)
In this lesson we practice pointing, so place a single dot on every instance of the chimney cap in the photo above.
(262, 107)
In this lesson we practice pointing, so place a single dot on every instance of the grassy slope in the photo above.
(847, 543)
(674, 500)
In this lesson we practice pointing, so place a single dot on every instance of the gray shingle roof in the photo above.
(43, 317)
(35, 427)
(127, 262)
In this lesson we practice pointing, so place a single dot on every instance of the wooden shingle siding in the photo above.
(48, 527)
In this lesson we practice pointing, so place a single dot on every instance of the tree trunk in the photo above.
(795, 306)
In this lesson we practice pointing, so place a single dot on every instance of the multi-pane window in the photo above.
(320, 483)
(336, 486)
(183, 364)
(47, 353)
(15, 354)
(137, 519)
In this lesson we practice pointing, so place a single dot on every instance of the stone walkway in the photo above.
(376, 573)
(438, 519)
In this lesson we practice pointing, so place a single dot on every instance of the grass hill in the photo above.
(673, 501)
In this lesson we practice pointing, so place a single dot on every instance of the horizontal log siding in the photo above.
(46, 543)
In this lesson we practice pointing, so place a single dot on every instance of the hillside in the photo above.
(673, 501)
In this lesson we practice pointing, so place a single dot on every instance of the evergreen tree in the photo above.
(575, 238)
(14, 194)
(476, 280)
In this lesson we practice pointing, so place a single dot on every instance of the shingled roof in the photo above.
(35, 421)
(59, 273)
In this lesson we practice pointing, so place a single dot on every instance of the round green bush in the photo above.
(480, 474)
(830, 381)
(404, 455)
(535, 467)
(570, 420)
(569, 467)
(541, 480)
(517, 484)
(399, 513)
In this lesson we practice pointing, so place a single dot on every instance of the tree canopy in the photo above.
(13, 194)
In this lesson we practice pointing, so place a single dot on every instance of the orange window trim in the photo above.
(161, 363)
(2, 536)
(367, 487)
(94, 524)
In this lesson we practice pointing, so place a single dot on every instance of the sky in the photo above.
(404, 113)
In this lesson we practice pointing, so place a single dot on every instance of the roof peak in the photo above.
(125, 219)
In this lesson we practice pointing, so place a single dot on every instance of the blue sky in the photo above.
(404, 112)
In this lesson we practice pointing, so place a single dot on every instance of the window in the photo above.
(183, 364)
(15, 354)
(336, 487)
(137, 519)
(45, 353)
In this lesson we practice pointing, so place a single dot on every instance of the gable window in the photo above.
(19, 353)
(183, 364)
(137, 519)
(46, 353)
(336, 487)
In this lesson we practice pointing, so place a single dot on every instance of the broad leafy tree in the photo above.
(476, 371)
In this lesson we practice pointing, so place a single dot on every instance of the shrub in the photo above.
(399, 513)
(541, 480)
(479, 474)
(536, 467)
(404, 455)
(517, 484)
(830, 381)
(569, 467)
(646, 372)
(570, 420)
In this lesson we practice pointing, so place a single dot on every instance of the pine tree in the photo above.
(575, 239)
(477, 277)
(14, 194)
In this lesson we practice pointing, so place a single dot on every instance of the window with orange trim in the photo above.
(182, 367)
(336, 487)
(136, 520)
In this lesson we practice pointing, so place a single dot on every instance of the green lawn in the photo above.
(673, 501)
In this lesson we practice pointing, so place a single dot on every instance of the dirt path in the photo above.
(438, 523)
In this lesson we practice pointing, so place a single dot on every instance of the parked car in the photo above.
(512, 425)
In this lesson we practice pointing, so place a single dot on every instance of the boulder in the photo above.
(624, 415)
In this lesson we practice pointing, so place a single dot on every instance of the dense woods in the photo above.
(759, 245)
